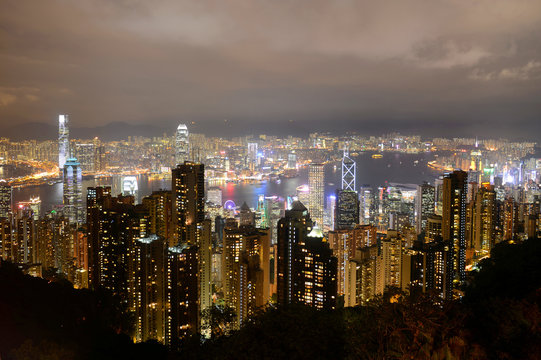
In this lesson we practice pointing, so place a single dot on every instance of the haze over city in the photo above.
(453, 67)
(257, 179)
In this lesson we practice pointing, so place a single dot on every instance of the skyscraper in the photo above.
(307, 271)
(348, 172)
(424, 205)
(147, 272)
(454, 219)
(5, 200)
(63, 141)
(188, 187)
(316, 183)
(73, 191)
(245, 268)
(347, 210)
(182, 146)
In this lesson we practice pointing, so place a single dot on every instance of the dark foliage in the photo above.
(499, 318)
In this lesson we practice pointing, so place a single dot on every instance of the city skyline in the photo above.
(270, 179)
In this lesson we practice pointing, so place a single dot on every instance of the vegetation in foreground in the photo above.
(499, 317)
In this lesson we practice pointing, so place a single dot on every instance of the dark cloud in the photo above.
(299, 65)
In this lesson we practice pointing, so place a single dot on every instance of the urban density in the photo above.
(170, 254)
(262, 179)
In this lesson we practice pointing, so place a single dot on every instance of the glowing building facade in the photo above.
(182, 145)
(316, 183)
(73, 191)
(63, 140)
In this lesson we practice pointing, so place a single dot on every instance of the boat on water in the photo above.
(377, 156)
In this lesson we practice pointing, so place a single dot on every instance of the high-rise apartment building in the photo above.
(245, 269)
(306, 269)
(454, 220)
(188, 191)
(316, 184)
(5, 200)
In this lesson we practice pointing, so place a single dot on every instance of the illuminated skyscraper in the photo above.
(306, 271)
(424, 205)
(147, 272)
(86, 154)
(188, 187)
(5, 200)
(245, 268)
(182, 146)
(63, 141)
(348, 172)
(73, 192)
(316, 183)
(454, 220)
(347, 210)
(252, 156)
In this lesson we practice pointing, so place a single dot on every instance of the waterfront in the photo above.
(392, 168)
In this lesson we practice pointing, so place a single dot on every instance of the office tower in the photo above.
(86, 154)
(182, 147)
(214, 196)
(306, 269)
(73, 191)
(5, 200)
(130, 187)
(147, 272)
(316, 183)
(389, 262)
(63, 141)
(292, 161)
(246, 216)
(252, 156)
(182, 318)
(159, 208)
(245, 269)
(347, 210)
(424, 205)
(348, 172)
(331, 203)
(482, 233)
(367, 204)
(454, 219)
(188, 188)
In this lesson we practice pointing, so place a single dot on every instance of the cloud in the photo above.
(269, 61)
(529, 71)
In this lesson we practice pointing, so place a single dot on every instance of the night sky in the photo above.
(431, 67)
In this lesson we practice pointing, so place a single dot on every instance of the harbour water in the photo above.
(391, 168)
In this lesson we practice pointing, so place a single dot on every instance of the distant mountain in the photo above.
(111, 131)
